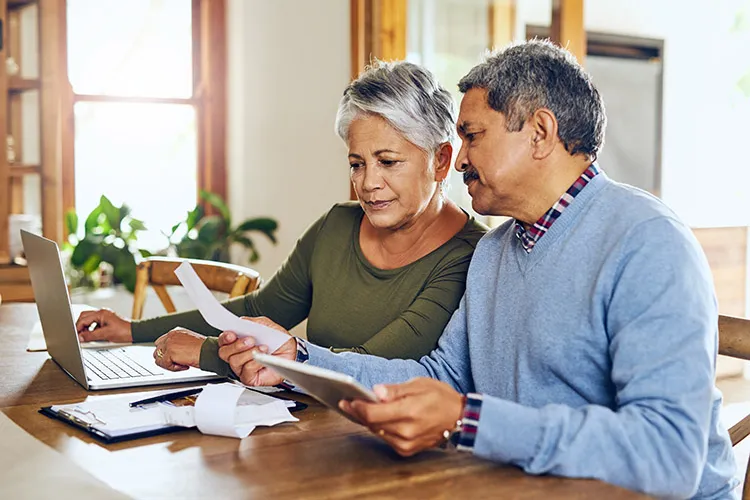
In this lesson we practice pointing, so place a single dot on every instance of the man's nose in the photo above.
(462, 162)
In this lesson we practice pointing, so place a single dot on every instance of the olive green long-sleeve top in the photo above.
(350, 304)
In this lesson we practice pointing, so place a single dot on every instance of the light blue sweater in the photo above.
(595, 352)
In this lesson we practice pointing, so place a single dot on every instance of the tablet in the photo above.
(327, 386)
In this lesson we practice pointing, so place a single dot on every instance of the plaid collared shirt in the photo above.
(534, 233)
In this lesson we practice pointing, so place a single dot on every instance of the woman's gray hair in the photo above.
(407, 96)
(537, 74)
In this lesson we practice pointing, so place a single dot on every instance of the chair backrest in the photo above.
(734, 341)
(218, 276)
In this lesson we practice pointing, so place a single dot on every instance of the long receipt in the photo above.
(219, 317)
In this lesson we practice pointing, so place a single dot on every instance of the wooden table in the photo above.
(321, 456)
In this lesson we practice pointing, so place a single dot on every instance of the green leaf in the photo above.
(111, 212)
(265, 225)
(124, 211)
(136, 224)
(145, 253)
(91, 264)
(71, 222)
(211, 229)
(192, 249)
(82, 252)
(248, 243)
(124, 269)
(92, 221)
(216, 201)
(194, 216)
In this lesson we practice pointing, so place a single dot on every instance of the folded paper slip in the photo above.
(221, 318)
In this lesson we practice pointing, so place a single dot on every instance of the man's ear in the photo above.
(544, 133)
(442, 161)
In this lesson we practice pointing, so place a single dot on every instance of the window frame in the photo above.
(209, 99)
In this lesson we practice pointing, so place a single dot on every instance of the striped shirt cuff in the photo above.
(302, 357)
(470, 422)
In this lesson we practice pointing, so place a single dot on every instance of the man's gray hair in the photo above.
(537, 74)
(407, 96)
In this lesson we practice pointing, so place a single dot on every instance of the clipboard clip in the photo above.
(79, 421)
(75, 420)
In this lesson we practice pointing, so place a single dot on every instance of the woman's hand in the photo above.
(109, 326)
(178, 349)
(239, 351)
(410, 417)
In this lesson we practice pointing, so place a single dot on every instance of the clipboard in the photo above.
(105, 436)
(112, 420)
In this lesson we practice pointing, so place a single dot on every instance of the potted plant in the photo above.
(209, 237)
(109, 237)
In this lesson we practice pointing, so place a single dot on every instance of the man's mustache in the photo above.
(470, 174)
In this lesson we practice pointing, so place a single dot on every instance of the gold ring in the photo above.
(159, 353)
(381, 433)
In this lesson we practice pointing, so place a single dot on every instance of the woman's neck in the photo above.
(393, 248)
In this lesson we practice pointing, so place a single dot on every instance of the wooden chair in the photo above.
(734, 341)
(218, 276)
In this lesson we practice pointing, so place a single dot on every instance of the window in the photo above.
(142, 78)
(449, 38)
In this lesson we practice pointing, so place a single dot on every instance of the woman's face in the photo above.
(391, 176)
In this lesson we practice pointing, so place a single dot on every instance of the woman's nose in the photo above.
(372, 179)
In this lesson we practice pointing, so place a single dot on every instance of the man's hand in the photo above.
(109, 326)
(178, 349)
(239, 351)
(411, 417)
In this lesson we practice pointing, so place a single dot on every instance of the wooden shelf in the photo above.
(17, 84)
(21, 170)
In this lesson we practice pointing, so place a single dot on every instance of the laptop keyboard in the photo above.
(114, 364)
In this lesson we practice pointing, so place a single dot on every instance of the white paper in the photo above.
(36, 337)
(229, 410)
(219, 317)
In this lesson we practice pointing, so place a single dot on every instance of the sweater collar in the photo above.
(530, 237)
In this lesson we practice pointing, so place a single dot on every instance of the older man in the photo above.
(585, 344)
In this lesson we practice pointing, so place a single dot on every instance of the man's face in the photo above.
(495, 163)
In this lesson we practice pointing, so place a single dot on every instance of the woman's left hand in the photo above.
(178, 349)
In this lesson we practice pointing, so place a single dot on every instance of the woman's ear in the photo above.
(544, 136)
(442, 161)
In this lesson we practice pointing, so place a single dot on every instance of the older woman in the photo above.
(381, 276)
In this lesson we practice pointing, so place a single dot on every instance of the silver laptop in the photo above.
(93, 368)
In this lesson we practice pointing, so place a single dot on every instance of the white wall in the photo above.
(705, 170)
(288, 65)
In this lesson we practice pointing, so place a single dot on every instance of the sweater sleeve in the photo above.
(662, 329)
(285, 298)
(415, 332)
(448, 362)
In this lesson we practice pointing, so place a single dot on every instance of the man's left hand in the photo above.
(178, 349)
(411, 417)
